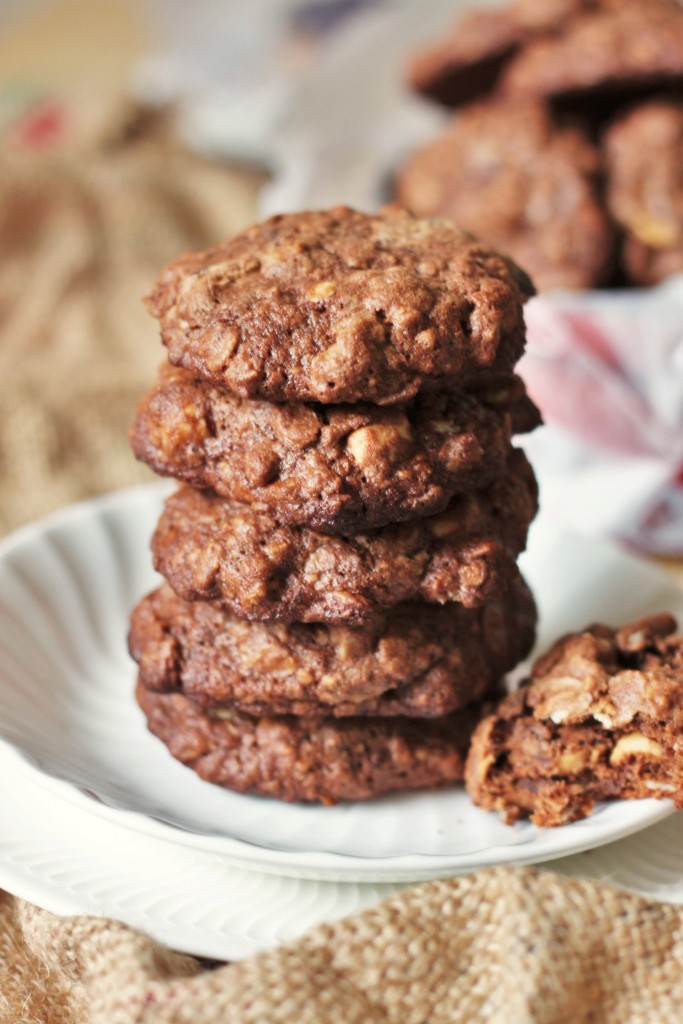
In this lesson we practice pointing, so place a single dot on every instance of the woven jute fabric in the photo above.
(86, 224)
(501, 946)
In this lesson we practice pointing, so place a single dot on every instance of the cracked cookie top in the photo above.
(338, 306)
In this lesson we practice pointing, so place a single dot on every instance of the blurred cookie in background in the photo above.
(644, 156)
(468, 62)
(603, 58)
(560, 87)
(526, 186)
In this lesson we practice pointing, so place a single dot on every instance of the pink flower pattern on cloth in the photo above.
(606, 370)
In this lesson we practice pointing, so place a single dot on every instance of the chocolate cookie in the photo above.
(601, 717)
(467, 62)
(340, 306)
(527, 187)
(415, 659)
(623, 49)
(241, 555)
(322, 759)
(644, 151)
(332, 468)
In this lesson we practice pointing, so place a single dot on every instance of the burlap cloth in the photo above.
(85, 224)
(89, 213)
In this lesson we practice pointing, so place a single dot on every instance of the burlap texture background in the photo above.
(84, 229)
(503, 946)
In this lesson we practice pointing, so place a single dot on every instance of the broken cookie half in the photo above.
(600, 718)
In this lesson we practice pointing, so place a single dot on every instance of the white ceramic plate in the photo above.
(67, 586)
(66, 860)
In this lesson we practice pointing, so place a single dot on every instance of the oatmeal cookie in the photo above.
(322, 759)
(333, 468)
(644, 151)
(415, 659)
(209, 548)
(623, 49)
(527, 187)
(600, 718)
(340, 306)
(468, 61)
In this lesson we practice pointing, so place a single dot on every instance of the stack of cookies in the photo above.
(342, 591)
